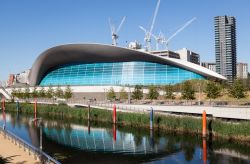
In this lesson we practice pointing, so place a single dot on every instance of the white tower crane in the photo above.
(166, 41)
(114, 31)
(148, 33)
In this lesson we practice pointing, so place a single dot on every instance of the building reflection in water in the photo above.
(104, 140)
(130, 141)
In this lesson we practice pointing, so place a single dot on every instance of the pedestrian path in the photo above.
(11, 153)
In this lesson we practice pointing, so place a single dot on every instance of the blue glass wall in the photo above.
(119, 73)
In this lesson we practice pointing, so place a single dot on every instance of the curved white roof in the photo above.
(94, 53)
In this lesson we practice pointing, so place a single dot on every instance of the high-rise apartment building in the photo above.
(242, 70)
(225, 46)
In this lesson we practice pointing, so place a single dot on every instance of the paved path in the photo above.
(239, 113)
(13, 154)
(216, 111)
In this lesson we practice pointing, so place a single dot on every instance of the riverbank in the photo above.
(11, 153)
(238, 131)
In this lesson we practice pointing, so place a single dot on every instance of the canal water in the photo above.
(76, 141)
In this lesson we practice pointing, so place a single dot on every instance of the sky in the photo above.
(29, 27)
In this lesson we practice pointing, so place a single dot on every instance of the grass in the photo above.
(231, 130)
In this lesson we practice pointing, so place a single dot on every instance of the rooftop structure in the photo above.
(189, 56)
(211, 66)
(105, 65)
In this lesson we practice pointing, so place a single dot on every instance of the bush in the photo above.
(138, 93)
(153, 93)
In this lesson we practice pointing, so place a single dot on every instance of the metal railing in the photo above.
(43, 157)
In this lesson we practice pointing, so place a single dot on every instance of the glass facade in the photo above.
(118, 73)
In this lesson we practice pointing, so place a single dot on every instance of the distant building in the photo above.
(166, 53)
(211, 66)
(11, 80)
(188, 55)
(242, 70)
(22, 77)
(225, 46)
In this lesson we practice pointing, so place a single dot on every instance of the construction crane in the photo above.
(166, 41)
(158, 39)
(114, 31)
(148, 33)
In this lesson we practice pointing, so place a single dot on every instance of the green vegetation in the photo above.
(34, 92)
(237, 90)
(212, 90)
(123, 94)
(58, 92)
(50, 92)
(231, 130)
(188, 91)
(153, 93)
(42, 93)
(68, 93)
(137, 93)
(169, 92)
(111, 94)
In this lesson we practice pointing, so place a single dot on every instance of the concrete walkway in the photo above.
(239, 113)
(216, 111)
(11, 153)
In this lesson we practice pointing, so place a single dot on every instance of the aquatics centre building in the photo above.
(106, 65)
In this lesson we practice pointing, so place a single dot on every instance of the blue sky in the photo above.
(29, 27)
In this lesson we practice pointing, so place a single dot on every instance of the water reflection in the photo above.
(73, 141)
(104, 139)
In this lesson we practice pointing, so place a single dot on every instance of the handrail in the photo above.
(45, 158)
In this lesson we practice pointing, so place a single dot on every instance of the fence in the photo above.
(44, 158)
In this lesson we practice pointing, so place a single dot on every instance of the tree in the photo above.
(42, 93)
(19, 93)
(169, 92)
(27, 92)
(153, 93)
(123, 94)
(237, 90)
(50, 92)
(187, 91)
(34, 92)
(59, 92)
(14, 93)
(111, 94)
(137, 93)
(68, 93)
(212, 90)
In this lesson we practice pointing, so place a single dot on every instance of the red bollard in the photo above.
(35, 107)
(204, 124)
(204, 143)
(114, 132)
(114, 114)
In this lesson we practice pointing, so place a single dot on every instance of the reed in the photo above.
(232, 130)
